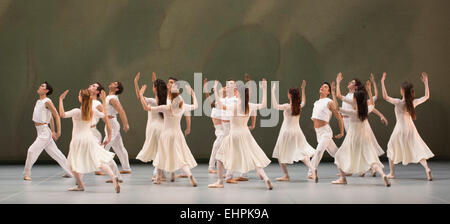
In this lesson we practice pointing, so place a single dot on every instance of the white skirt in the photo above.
(406, 145)
(292, 146)
(359, 150)
(239, 152)
(148, 151)
(173, 152)
(86, 155)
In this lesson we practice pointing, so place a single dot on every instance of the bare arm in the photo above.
(383, 90)
(62, 113)
(369, 93)
(383, 119)
(105, 118)
(136, 84)
(333, 94)
(372, 79)
(141, 98)
(338, 85)
(303, 92)
(274, 99)
(338, 116)
(123, 116)
(263, 104)
(56, 117)
(253, 123)
(216, 95)
(427, 90)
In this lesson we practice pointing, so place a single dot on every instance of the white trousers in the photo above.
(45, 141)
(111, 164)
(325, 139)
(116, 144)
(220, 133)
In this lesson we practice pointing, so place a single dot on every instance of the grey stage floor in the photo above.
(48, 187)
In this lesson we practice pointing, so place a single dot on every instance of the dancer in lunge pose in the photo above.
(360, 150)
(85, 154)
(406, 145)
(291, 144)
(173, 152)
(46, 137)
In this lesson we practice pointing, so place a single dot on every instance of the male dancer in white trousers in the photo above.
(95, 89)
(46, 137)
(322, 110)
(113, 107)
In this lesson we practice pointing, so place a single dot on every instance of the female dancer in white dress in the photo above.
(405, 144)
(239, 151)
(360, 150)
(85, 154)
(291, 144)
(173, 152)
(155, 121)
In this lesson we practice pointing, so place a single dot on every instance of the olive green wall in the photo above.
(73, 43)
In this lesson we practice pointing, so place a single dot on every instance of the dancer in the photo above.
(155, 121)
(114, 107)
(173, 152)
(95, 89)
(239, 151)
(291, 144)
(405, 144)
(360, 150)
(321, 116)
(85, 154)
(347, 103)
(46, 137)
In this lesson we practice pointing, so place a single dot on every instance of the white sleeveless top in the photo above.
(321, 111)
(349, 98)
(41, 114)
(95, 119)
(110, 110)
(228, 102)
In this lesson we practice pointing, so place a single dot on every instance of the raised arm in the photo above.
(56, 117)
(62, 113)
(142, 99)
(369, 93)
(123, 116)
(372, 79)
(263, 104)
(384, 92)
(338, 85)
(427, 90)
(216, 95)
(194, 106)
(303, 93)
(105, 118)
(274, 99)
(333, 94)
(136, 84)
(208, 99)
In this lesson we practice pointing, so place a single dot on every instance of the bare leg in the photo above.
(220, 171)
(342, 179)
(391, 174)
(115, 179)
(262, 174)
(78, 181)
(424, 163)
(286, 174)
(187, 171)
(308, 164)
(376, 167)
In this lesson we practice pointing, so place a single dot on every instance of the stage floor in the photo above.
(48, 186)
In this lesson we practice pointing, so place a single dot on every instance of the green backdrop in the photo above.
(73, 43)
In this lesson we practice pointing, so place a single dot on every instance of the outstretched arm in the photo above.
(274, 99)
(62, 113)
(369, 93)
(142, 99)
(338, 85)
(427, 90)
(383, 119)
(384, 92)
(123, 116)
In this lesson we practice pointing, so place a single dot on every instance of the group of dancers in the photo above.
(234, 150)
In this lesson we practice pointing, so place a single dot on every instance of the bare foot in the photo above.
(212, 171)
(268, 184)
(285, 178)
(125, 172)
(340, 181)
(241, 179)
(28, 178)
(429, 176)
(182, 176)
(100, 173)
(111, 181)
(387, 183)
(231, 181)
(193, 181)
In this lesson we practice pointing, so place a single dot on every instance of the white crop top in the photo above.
(321, 111)
(110, 110)
(41, 114)
(228, 102)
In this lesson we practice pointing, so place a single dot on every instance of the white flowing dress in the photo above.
(153, 131)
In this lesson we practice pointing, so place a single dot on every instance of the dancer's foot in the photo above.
(193, 181)
(340, 181)
(111, 181)
(28, 178)
(164, 178)
(216, 185)
(374, 173)
(79, 187)
(157, 181)
(260, 177)
(172, 177)
(310, 176)
(241, 179)
(231, 181)
(429, 176)
(182, 175)
(284, 178)
(154, 178)
(387, 183)
(315, 176)
(116, 184)
(66, 176)
(391, 176)
(212, 171)
(268, 184)
(125, 171)
(99, 173)
(362, 174)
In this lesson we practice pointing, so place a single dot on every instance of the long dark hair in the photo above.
(408, 90)
(296, 101)
(358, 84)
(361, 101)
(161, 93)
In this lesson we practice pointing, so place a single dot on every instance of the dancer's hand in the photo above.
(103, 95)
(138, 76)
(126, 128)
(187, 131)
(383, 77)
(368, 85)
(63, 95)
(142, 90)
(333, 87)
(303, 84)
(107, 140)
(339, 136)
(247, 77)
(189, 90)
(251, 128)
(339, 77)
(384, 121)
(372, 78)
(153, 76)
(205, 83)
(55, 136)
(424, 77)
